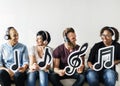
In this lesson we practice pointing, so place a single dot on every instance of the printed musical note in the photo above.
(47, 58)
(74, 60)
(16, 63)
(105, 58)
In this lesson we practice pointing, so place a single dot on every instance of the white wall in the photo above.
(87, 17)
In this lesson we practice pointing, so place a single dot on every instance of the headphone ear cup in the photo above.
(66, 39)
(45, 42)
(6, 37)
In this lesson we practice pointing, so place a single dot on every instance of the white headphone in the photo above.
(46, 40)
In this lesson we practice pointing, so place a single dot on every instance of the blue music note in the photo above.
(105, 58)
(16, 63)
(74, 60)
(47, 58)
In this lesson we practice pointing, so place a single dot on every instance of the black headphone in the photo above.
(66, 39)
(7, 35)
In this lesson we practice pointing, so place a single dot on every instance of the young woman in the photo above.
(36, 55)
(109, 36)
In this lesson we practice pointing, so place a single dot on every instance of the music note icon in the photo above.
(16, 63)
(105, 58)
(74, 60)
(47, 58)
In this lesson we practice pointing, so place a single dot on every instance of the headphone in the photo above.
(66, 39)
(7, 35)
(46, 40)
(113, 36)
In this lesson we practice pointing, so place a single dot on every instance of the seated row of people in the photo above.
(17, 66)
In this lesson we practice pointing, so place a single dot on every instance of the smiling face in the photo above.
(106, 37)
(13, 36)
(39, 40)
(72, 37)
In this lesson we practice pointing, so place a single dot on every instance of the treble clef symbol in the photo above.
(74, 60)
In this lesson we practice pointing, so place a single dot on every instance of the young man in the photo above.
(60, 55)
(13, 60)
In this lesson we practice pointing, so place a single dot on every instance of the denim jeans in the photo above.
(108, 76)
(19, 78)
(55, 79)
(33, 76)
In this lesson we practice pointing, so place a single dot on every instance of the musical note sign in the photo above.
(105, 58)
(16, 63)
(74, 60)
(47, 58)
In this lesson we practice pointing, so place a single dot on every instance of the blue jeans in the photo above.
(55, 79)
(108, 76)
(33, 76)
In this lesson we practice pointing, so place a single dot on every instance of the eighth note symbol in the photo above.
(74, 60)
(16, 64)
(105, 58)
(47, 55)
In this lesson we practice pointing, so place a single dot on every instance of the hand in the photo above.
(91, 67)
(80, 70)
(35, 66)
(22, 69)
(61, 72)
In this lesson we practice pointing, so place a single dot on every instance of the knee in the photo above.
(3, 73)
(110, 76)
(92, 76)
(82, 77)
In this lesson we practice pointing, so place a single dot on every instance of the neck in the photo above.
(108, 44)
(70, 46)
(12, 43)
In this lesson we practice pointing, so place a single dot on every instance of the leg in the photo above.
(55, 79)
(109, 77)
(31, 78)
(43, 78)
(5, 78)
(80, 79)
(92, 77)
(19, 78)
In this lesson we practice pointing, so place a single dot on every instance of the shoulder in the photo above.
(3, 45)
(60, 46)
(116, 44)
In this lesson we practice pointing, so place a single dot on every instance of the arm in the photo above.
(32, 63)
(24, 59)
(81, 68)
(56, 63)
(116, 62)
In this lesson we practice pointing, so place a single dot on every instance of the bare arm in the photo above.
(32, 63)
(81, 68)
(90, 65)
(116, 62)
(56, 63)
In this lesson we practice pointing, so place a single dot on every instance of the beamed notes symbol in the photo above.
(74, 60)
(105, 58)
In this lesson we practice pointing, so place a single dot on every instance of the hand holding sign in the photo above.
(74, 59)
(105, 57)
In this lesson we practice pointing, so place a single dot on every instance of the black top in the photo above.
(93, 56)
